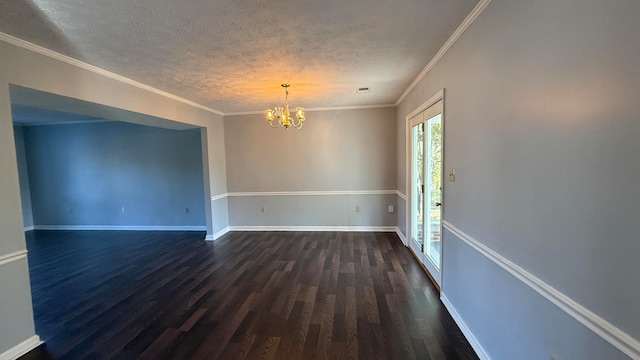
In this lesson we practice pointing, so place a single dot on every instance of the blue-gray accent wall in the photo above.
(114, 174)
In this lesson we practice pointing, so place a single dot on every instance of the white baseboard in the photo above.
(401, 236)
(609, 332)
(29, 228)
(218, 234)
(22, 348)
(120, 227)
(315, 228)
(475, 344)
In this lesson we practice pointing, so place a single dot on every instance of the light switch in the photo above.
(452, 175)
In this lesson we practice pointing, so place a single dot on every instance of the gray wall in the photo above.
(343, 150)
(16, 315)
(25, 193)
(29, 69)
(214, 159)
(541, 122)
(84, 174)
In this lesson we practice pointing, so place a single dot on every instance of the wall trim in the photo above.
(219, 196)
(14, 256)
(316, 228)
(401, 236)
(96, 70)
(312, 193)
(609, 332)
(307, 193)
(22, 348)
(219, 234)
(447, 45)
(29, 228)
(403, 196)
(329, 108)
(473, 341)
(120, 227)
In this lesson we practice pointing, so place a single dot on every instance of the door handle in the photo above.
(438, 203)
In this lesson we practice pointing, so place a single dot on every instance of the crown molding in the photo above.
(99, 71)
(330, 108)
(447, 45)
(80, 64)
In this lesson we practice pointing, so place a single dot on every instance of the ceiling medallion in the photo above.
(282, 114)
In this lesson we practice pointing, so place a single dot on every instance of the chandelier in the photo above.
(282, 114)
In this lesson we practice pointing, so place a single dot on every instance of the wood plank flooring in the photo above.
(248, 295)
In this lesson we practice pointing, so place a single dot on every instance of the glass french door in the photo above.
(417, 183)
(433, 194)
(426, 188)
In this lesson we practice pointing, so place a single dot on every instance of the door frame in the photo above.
(438, 96)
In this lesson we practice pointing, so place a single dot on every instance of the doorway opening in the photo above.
(87, 166)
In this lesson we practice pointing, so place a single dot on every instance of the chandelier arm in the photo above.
(298, 125)
(275, 126)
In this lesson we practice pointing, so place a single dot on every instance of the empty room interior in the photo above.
(345, 179)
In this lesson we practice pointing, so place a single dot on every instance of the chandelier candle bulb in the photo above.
(269, 114)
(284, 115)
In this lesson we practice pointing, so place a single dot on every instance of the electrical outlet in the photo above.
(390, 208)
(357, 208)
(122, 209)
(263, 209)
(186, 210)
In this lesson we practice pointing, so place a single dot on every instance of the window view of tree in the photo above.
(419, 190)
(436, 168)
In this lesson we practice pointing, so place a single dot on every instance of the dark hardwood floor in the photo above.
(248, 295)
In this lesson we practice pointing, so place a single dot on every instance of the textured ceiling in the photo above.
(232, 55)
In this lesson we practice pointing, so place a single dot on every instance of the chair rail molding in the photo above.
(14, 256)
(609, 332)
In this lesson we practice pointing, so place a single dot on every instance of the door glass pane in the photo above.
(433, 195)
(417, 183)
